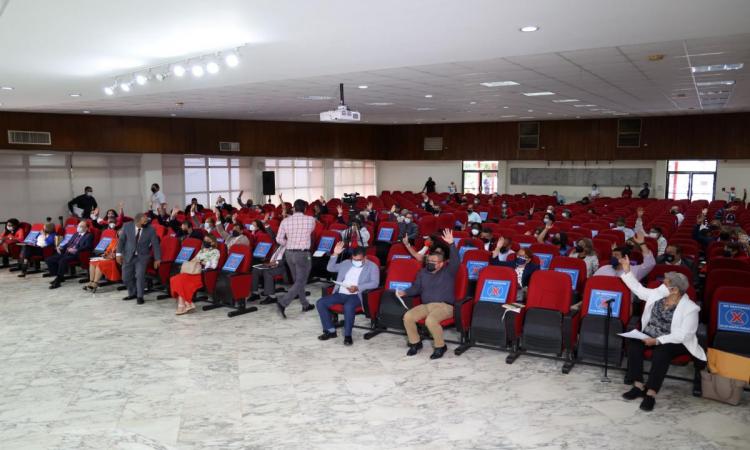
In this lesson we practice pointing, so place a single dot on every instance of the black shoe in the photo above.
(281, 310)
(348, 340)
(648, 403)
(253, 297)
(414, 349)
(627, 380)
(268, 301)
(307, 308)
(140, 301)
(22, 275)
(634, 393)
(327, 335)
(55, 284)
(129, 297)
(439, 352)
(697, 387)
(47, 275)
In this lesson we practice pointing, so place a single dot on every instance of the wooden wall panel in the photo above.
(713, 136)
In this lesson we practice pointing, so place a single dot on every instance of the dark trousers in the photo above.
(134, 275)
(267, 275)
(299, 266)
(58, 264)
(350, 302)
(660, 359)
(29, 250)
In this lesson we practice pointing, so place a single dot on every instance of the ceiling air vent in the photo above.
(433, 144)
(528, 135)
(229, 146)
(29, 137)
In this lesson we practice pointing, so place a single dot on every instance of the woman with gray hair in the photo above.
(670, 319)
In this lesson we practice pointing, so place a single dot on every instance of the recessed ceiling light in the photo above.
(363, 86)
(178, 70)
(425, 109)
(656, 57)
(212, 67)
(498, 83)
(530, 110)
(316, 97)
(549, 113)
(719, 92)
(428, 96)
(472, 103)
(717, 67)
(508, 116)
(529, 28)
(125, 87)
(578, 117)
(584, 106)
(506, 107)
(141, 79)
(173, 115)
(86, 111)
(109, 91)
(566, 100)
(715, 83)
(197, 71)
(526, 117)
(232, 60)
(75, 95)
(379, 104)
(537, 94)
(7, 88)
(160, 76)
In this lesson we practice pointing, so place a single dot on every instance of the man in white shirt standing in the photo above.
(157, 199)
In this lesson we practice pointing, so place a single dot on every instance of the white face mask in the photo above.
(654, 235)
(94, 217)
(474, 231)
(207, 226)
(253, 227)
(407, 220)
(81, 230)
(112, 225)
(357, 263)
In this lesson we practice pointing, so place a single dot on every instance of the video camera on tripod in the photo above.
(350, 200)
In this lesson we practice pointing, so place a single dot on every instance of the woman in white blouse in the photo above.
(584, 250)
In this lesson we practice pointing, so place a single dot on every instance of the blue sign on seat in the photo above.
(261, 250)
(495, 291)
(462, 251)
(474, 267)
(325, 244)
(598, 302)
(385, 234)
(399, 285)
(185, 254)
(545, 259)
(103, 244)
(233, 262)
(483, 215)
(733, 317)
(31, 237)
(573, 273)
(400, 256)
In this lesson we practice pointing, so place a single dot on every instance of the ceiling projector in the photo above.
(342, 113)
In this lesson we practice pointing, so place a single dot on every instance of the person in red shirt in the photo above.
(627, 192)
(12, 234)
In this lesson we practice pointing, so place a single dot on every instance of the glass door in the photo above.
(693, 180)
(489, 182)
(702, 186)
(471, 182)
(480, 177)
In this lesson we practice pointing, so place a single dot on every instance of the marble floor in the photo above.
(93, 372)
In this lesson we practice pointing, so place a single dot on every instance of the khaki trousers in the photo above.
(433, 313)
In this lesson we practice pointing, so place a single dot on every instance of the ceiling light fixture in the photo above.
(109, 90)
(75, 95)
(316, 97)
(498, 83)
(538, 94)
(86, 111)
(472, 103)
(529, 28)
(425, 109)
(197, 70)
(232, 60)
(141, 79)
(178, 70)
(379, 104)
(7, 88)
(160, 76)
(508, 116)
(715, 83)
(125, 87)
(566, 100)
(584, 106)
(212, 67)
(716, 67)
(363, 86)
(428, 96)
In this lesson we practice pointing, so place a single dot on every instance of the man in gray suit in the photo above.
(355, 275)
(137, 239)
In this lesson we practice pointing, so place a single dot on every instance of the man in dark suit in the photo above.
(57, 264)
(137, 240)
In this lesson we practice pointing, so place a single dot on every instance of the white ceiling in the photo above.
(596, 52)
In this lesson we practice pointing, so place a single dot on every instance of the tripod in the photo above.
(605, 378)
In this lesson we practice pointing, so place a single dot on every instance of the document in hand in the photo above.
(634, 334)
(401, 300)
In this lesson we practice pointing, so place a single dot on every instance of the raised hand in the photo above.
(500, 243)
(338, 248)
(639, 238)
(369, 206)
(121, 204)
(339, 209)
(406, 242)
(639, 211)
(393, 208)
(448, 236)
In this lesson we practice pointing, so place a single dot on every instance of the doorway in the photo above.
(480, 177)
(691, 179)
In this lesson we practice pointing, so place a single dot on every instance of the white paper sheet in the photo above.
(634, 334)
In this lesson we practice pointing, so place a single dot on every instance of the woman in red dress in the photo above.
(184, 285)
(104, 266)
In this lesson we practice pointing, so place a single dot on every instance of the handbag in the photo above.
(192, 267)
(722, 389)
(729, 365)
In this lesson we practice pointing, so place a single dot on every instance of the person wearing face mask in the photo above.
(566, 214)
(486, 236)
(735, 250)
(82, 205)
(407, 227)
(186, 230)
(620, 225)
(104, 265)
(435, 285)
(234, 237)
(627, 192)
(559, 198)
(614, 269)
(645, 192)
(13, 233)
(247, 205)
(673, 256)
(57, 265)
(184, 285)
(524, 265)
(195, 205)
(474, 230)
(506, 211)
(594, 194)
(45, 239)
(670, 319)
(679, 217)
(656, 232)
(356, 235)
(355, 275)
(502, 249)
(137, 241)
(474, 216)
(584, 249)
(158, 200)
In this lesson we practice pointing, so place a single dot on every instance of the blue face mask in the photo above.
(520, 260)
(614, 262)
(357, 263)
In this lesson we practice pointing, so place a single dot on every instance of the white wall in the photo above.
(734, 172)
(411, 175)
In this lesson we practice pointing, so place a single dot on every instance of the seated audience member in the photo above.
(12, 234)
(559, 198)
(614, 268)
(83, 204)
(368, 214)
(427, 204)
(645, 192)
(670, 318)
(735, 250)
(486, 237)
(111, 218)
(222, 203)
(505, 211)
(45, 239)
(319, 208)
(195, 206)
(433, 244)
(268, 272)
(566, 214)
(704, 233)
(186, 231)
(656, 232)
(356, 275)
(435, 285)
(627, 192)
(557, 239)
(104, 265)
(356, 235)
(244, 204)
(679, 217)
(475, 229)
(502, 249)
(57, 264)
(185, 284)
(234, 237)
(474, 216)
(407, 227)
(620, 225)
(584, 250)
(673, 257)
(594, 194)
(524, 267)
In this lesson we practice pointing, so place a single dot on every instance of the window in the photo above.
(207, 178)
(354, 176)
(480, 177)
(693, 180)
(628, 133)
(528, 135)
(298, 178)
